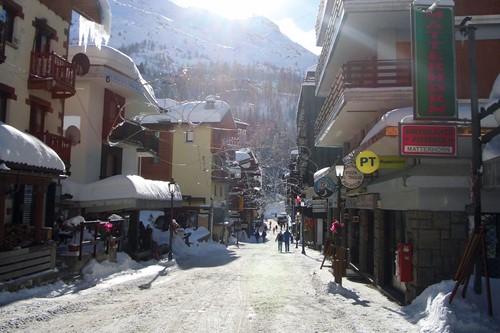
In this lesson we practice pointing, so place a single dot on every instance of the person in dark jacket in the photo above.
(286, 238)
(279, 239)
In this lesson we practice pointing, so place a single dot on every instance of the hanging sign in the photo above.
(367, 162)
(325, 186)
(433, 40)
(428, 140)
(352, 177)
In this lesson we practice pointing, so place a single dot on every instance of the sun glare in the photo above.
(232, 9)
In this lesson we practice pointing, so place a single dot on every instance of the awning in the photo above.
(122, 192)
(321, 173)
(21, 150)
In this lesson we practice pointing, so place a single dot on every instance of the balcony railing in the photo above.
(52, 72)
(328, 39)
(365, 74)
(60, 144)
(133, 133)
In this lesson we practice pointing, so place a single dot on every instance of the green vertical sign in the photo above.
(434, 86)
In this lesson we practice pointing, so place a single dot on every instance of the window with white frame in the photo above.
(189, 136)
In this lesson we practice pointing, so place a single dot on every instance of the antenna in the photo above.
(82, 64)
(73, 133)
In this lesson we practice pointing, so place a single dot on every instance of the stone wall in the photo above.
(438, 240)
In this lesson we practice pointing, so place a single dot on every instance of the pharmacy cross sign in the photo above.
(434, 62)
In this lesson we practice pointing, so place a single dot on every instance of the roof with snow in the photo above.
(118, 61)
(198, 112)
(25, 149)
(122, 192)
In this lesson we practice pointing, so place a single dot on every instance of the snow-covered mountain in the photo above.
(166, 37)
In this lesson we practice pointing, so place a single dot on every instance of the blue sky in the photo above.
(296, 18)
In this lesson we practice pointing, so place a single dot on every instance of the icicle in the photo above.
(97, 33)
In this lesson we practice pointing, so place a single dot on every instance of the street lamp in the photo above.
(302, 206)
(338, 264)
(339, 172)
(297, 231)
(171, 188)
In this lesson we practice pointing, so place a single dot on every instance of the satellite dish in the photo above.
(73, 133)
(82, 64)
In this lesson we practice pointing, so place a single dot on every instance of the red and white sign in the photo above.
(428, 140)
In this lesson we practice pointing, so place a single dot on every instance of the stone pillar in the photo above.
(379, 248)
(363, 241)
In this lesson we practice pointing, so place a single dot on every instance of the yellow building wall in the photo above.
(192, 162)
(14, 72)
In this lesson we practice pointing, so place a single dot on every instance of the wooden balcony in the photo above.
(371, 75)
(53, 73)
(133, 133)
(60, 144)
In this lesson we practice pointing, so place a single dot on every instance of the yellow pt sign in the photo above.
(367, 162)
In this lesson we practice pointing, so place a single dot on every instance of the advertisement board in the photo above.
(428, 140)
(433, 40)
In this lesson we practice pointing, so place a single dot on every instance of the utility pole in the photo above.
(469, 30)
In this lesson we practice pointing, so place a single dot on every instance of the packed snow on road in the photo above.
(249, 287)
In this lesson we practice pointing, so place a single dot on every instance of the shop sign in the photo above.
(428, 140)
(367, 162)
(319, 206)
(325, 186)
(352, 177)
(365, 201)
(433, 40)
(392, 162)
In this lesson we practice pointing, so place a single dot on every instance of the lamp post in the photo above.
(302, 206)
(338, 265)
(339, 172)
(171, 189)
(297, 231)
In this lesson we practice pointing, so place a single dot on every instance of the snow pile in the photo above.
(432, 310)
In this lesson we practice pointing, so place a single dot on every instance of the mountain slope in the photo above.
(162, 35)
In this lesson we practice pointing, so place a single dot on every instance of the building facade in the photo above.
(36, 79)
(366, 73)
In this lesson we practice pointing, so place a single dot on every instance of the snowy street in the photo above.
(247, 288)
(253, 288)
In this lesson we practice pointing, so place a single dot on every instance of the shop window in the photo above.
(24, 205)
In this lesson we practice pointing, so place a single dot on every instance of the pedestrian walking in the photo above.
(279, 239)
(286, 237)
(257, 235)
(264, 234)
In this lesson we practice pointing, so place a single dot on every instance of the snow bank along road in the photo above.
(253, 288)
